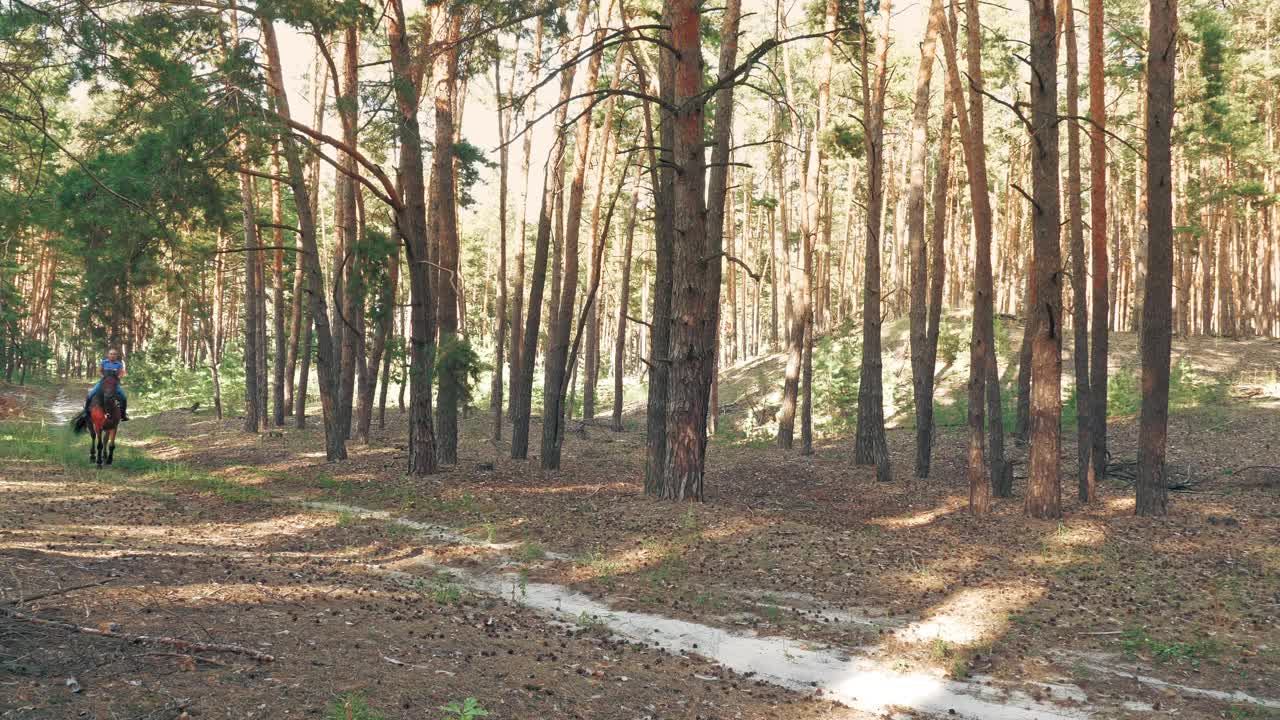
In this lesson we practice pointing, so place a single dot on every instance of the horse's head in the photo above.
(109, 384)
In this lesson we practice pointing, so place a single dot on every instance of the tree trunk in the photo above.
(500, 311)
(335, 441)
(870, 447)
(1098, 241)
(411, 221)
(1087, 489)
(444, 228)
(517, 291)
(717, 193)
(796, 289)
(982, 475)
(557, 385)
(1022, 425)
(604, 167)
(277, 218)
(624, 302)
(546, 217)
(1044, 484)
(1156, 336)
(662, 178)
(815, 182)
(301, 325)
(693, 300)
(921, 359)
(385, 318)
(348, 264)
(252, 410)
(937, 279)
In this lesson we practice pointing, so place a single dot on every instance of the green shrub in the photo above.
(458, 362)
(837, 363)
(468, 709)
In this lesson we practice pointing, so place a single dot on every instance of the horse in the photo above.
(103, 421)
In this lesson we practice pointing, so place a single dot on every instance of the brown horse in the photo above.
(104, 419)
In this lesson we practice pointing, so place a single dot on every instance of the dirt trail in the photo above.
(64, 407)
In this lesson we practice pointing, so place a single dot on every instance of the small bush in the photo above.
(531, 551)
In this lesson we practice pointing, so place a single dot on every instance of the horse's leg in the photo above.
(111, 450)
(93, 444)
(102, 440)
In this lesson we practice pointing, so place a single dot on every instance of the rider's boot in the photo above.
(124, 409)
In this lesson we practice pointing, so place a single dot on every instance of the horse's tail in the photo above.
(80, 422)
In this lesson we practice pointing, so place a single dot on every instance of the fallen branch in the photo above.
(52, 593)
(1255, 467)
(185, 656)
(141, 639)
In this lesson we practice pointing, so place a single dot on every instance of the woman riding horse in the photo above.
(103, 418)
(113, 365)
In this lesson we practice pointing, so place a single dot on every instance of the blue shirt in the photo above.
(108, 365)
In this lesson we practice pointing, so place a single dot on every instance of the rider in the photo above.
(114, 365)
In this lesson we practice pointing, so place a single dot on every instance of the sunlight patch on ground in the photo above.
(970, 615)
(650, 555)
(32, 486)
(1120, 504)
(224, 534)
(921, 518)
(1077, 536)
(591, 489)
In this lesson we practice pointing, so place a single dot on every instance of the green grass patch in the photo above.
(55, 445)
(194, 480)
(352, 706)
(531, 551)
(604, 569)
(1136, 641)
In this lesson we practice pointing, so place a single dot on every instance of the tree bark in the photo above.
(335, 441)
(1151, 484)
(1098, 241)
(523, 397)
(796, 289)
(815, 183)
(300, 325)
(870, 447)
(717, 193)
(982, 472)
(693, 301)
(662, 178)
(604, 167)
(1087, 489)
(557, 385)
(348, 273)
(921, 358)
(517, 291)
(411, 221)
(624, 302)
(252, 410)
(385, 318)
(277, 218)
(937, 280)
(500, 310)
(444, 228)
(1044, 484)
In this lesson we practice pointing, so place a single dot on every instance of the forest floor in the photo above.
(799, 583)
